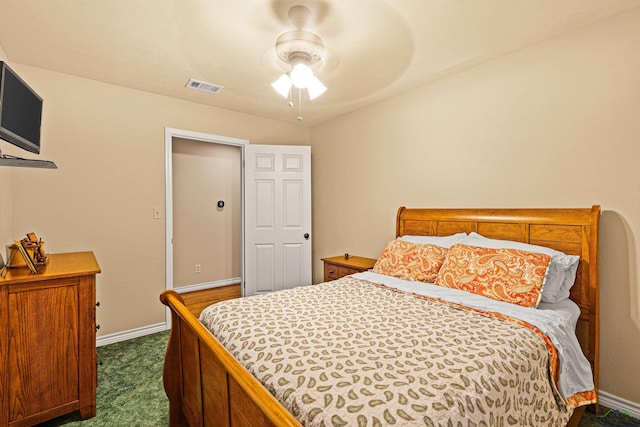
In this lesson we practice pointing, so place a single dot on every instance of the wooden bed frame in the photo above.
(207, 386)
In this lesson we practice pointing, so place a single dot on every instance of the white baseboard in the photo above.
(619, 404)
(131, 333)
(208, 285)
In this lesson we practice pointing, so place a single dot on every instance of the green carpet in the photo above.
(130, 391)
(608, 417)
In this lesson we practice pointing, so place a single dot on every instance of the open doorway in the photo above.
(204, 205)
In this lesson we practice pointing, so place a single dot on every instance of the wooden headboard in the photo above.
(572, 231)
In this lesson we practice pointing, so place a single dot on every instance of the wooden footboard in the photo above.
(205, 385)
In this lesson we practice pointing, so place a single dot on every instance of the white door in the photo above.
(277, 218)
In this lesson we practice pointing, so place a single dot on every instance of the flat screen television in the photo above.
(20, 111)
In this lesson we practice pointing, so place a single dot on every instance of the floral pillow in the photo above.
(509, 275)
(410, 261)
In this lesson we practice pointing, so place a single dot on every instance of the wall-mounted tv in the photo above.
(20, 111)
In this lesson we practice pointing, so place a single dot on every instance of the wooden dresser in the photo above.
(339, 266)
(48, 340)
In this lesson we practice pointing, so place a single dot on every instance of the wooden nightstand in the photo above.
(338, 266)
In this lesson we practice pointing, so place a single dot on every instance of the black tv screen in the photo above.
(20, 111)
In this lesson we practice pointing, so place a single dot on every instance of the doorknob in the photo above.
(306, 236)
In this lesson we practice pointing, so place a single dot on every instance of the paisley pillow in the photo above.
(509, 275)
(562, 270)
(410, 261)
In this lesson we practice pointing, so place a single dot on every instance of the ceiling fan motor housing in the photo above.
(295, 44)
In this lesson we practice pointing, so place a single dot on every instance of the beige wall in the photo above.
(5, 192)
(203, 233)
(6, 235)
(554, 125)
(108, 143)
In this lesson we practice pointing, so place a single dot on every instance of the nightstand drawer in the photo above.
(330, 272)
(345, 271)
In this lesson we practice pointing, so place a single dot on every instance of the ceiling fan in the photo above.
(302, 50)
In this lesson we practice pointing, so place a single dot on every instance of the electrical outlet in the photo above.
(198, 268)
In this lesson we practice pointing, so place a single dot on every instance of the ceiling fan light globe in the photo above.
(301, 76)
(315, 88)
(282, 85)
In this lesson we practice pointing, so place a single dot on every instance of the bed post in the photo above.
(398, 222)
(172, 363)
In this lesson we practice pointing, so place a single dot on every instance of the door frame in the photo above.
(169, 135)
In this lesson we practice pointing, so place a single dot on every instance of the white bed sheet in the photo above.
(557, 320)
(568, 309)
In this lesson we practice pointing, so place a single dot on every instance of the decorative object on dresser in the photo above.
(48, 340)
(343, 265)
(28, 252)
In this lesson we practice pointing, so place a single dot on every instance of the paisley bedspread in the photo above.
(350, 353)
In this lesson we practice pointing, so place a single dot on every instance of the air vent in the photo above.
(204, 86)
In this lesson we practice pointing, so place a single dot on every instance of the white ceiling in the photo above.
(375, 48)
